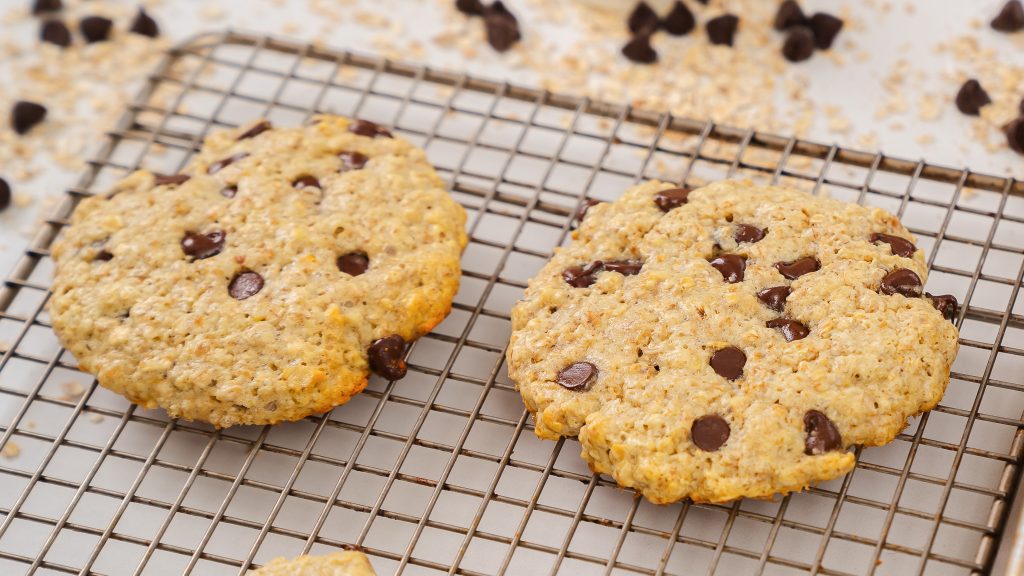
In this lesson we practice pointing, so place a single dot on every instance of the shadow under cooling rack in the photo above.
(439, 472)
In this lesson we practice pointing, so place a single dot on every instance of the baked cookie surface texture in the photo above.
(347, 563)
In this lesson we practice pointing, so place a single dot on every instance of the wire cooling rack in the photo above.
(440, 472)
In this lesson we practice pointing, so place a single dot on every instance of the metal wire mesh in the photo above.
(439, 472)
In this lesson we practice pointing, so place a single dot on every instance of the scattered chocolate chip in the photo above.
(368, 129)
(95, 28)
(307, 181)
(587, 204)
(103, 256)
(945, 304)
(1020, 106)
(826, 27)
(386, 357)
(679, 20)
(639, 49)
(624, 267)
(229, 191)
(822, 434)
(728, 362)
(1010, 18)
(901, 281)
(245, 284)
(225, 162)
(470, 7)
(797, 268)
(898, 246)
(799, 44)
(748, 233)
(710, 432)
(774, 298)
(1015, 135)
(44, 6)
(55, 32)
(791, 329)
(256, 129)
(731, 266)
(971, 98)
(202, 246)
(722, 30)
(25, 115)
(144, 25)
(577, 376)
(5, 195)
(790, 14)
(353, 263)
(170, 179)
(672, 198)
(501, 26)
(586, 275)
(352, 161)
(642, 19)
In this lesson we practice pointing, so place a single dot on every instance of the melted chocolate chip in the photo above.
(672, 198)
(797, 268)
(25, 115)
(201, 246)
(822, 434)
(229, 191)
(898, 246)
(642, 19)
(386, 357)
(748, 233)
(55, 32)
(799, 44)
(901, 281)
(103, 256)
(639, 49)
(946, 304)
(44, 6)
(352, 161)
(791, 329)
(95, 28)
(731, 266)
(728, 362)
(144, 25)
(774, 298)
(245, 284)
(469, 7)
(710, 432)
(368, 129)
(971, 98)
(826, 27)
(722, 30)
(225, 162)
(1015, 135)
(586, 275)
(170, 179)
(1010, 18)
(307, 181)
(5, 195)
(679, 20)
(789, 14)
(577, 376)
(501, 26)
(624, 267)
(353, 263)
(584, 207)
(256, 129)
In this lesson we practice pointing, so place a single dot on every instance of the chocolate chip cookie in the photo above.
(267, 279)
(348, 563)
(730, 341)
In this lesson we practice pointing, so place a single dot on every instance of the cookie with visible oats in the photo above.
(347, 563)
(265, 281)
(730, 341)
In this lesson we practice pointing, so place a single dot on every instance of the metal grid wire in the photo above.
(440, 472)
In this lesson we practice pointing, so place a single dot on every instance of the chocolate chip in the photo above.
(470, 7)
(679, 20)
(55, 32)
(946, 304)
(44, 6)
(144, 25)
(368, 129)
(624, 267)
(95, 28)
(639, 49)
(898, 246)
(386, 357)
(901, 281)
(25, 115)
(748, 233)
(822, 434)
(826, 27)
(229, 191)
(245, 284)
(642, 19)
(225, 162)
(170, 179)
(1020, 106)
(797, 268)
(790, 14)
(1010, 18)
(731, 266)
(791, 329)
(709, 432)
(587, 204)
(672, 198)
(306, 181)
(202, 246)
(5, 195)
(586, 275)
(352, 161)
(728, 362)
(501, 26)
(722, 30)
(103, 256)
(577, 376)
(1015, 135)
(774, 298)
(353, 263)
(256, 129)
(799, 44)
(971, 98)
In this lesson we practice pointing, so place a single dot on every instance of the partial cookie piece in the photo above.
(756, 334)
(263, 282)
(347, 563)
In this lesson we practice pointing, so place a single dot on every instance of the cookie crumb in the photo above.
(11, 450)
